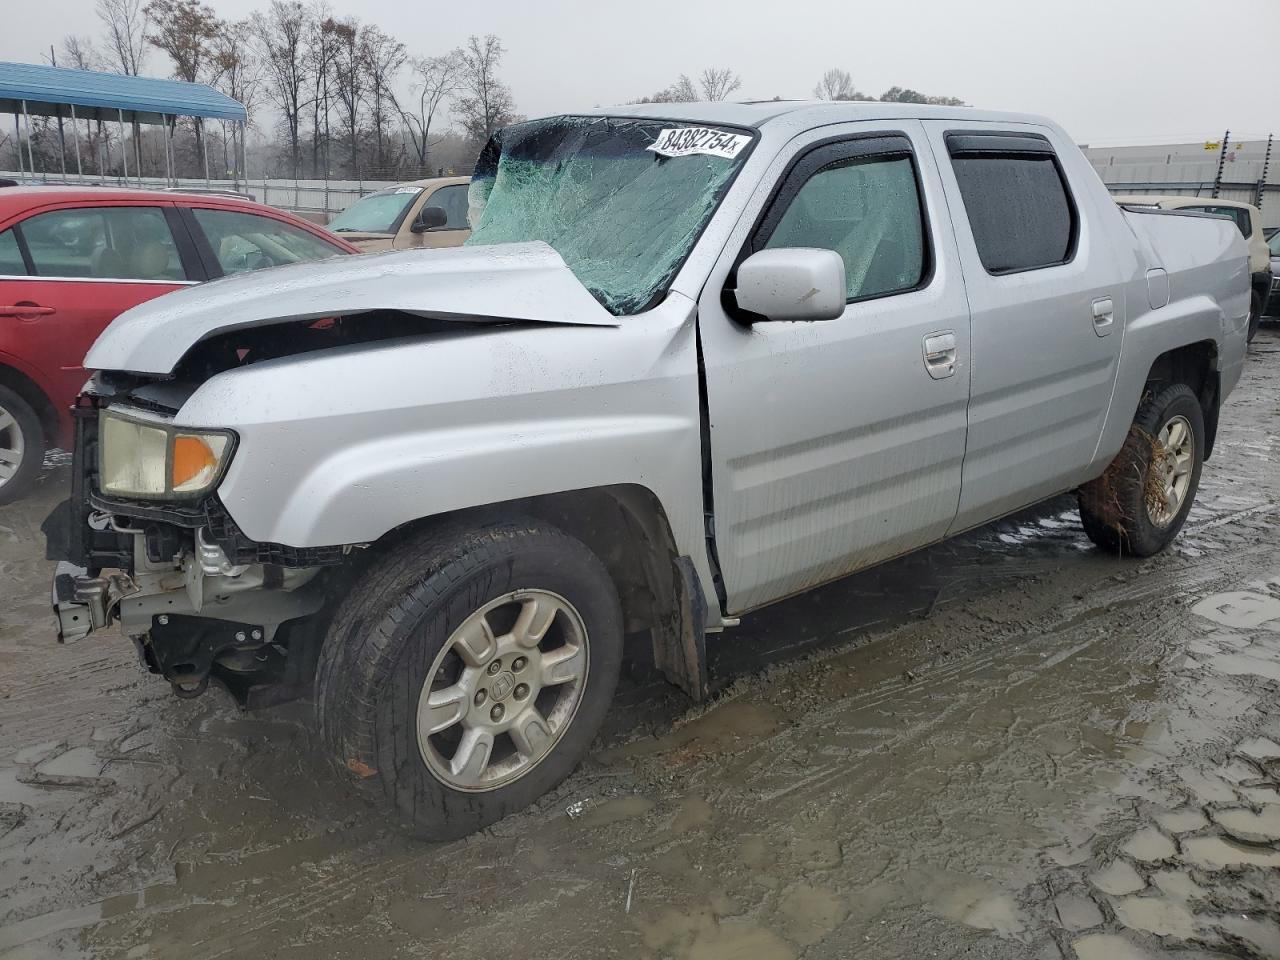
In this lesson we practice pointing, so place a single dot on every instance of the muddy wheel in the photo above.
(468, 672)
(1138, 506)
(1255, 315)
(21, 445)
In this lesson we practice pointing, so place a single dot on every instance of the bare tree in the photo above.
(186, 31)
(381, 58)
(320, 52)
(236, 72)
(486, 103)
(717, 83)
(836, 84)
(435, 80)
(348, 80)
(126, 23)
(80, 53)
(281, 35)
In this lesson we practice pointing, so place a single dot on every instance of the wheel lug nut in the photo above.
(481, 696)
(518, 663)
(495, 667)
(522, 691)
(496, 713)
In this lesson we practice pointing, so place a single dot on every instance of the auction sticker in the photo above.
(685, 141)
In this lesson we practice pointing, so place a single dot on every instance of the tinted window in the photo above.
(1241, 217)
(1018, 209)
(108, 243)
(868, 211)
(453, 200)
(11, 264)
(246, 241)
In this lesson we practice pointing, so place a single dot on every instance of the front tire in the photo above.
(468, 672)
(1138, 506)
(21, 445)
(1255, 315)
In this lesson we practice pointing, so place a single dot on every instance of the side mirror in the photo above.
(792, 283)
(429, 218)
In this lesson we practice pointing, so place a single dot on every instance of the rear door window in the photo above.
(103, 243)
(1016, 199)
(11, 262)
(247, 241)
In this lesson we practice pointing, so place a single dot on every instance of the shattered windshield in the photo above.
(622, 201)
(379, 212)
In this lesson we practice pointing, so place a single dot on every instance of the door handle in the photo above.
(21, 310)
(1104, 315)
(940, 354)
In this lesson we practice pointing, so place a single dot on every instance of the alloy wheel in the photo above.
(12, 446)
(1171, 467)
(503, 690)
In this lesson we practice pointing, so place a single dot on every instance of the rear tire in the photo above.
(453, 704)
(21, 445)
(1255, 315)
(1138, 506)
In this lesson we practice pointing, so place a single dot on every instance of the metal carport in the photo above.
(28, 89)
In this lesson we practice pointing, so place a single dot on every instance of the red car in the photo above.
(72, 259)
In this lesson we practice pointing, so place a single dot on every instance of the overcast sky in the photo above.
(1111, 71)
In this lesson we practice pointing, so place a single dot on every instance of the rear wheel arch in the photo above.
(1196, 365)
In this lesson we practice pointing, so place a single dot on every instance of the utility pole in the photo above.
(1262, 180)
(1222, 159)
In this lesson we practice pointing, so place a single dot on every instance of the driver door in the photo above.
(838, 444)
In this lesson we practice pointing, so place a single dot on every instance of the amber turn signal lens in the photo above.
(193, 460)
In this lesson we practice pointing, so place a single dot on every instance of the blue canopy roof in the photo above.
(50, 91)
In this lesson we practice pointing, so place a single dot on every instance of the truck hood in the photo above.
(499, 283)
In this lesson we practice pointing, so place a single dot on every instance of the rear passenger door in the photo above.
(1045, 292)
(839, 443)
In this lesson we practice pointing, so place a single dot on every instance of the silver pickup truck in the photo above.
(694, 359)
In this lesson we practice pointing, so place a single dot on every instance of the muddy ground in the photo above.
(1008, 746)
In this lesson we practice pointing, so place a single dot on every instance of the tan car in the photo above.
(424, 213)
(1246, 216)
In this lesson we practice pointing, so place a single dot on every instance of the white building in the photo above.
(1190, 168)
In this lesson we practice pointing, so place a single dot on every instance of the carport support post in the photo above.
(137, 149)
(124, 153)
(168, 180)
(31, 160)
(75, 136)
(204, 149)
(17, 145)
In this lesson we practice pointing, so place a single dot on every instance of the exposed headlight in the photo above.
(154, 460)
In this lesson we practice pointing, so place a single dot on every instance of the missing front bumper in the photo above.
(81, 603)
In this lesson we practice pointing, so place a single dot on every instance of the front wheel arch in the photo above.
(627, 527)
(377, 664)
